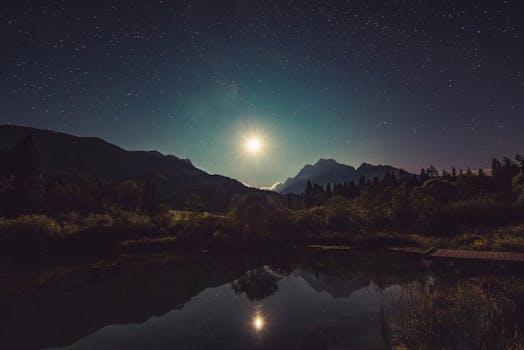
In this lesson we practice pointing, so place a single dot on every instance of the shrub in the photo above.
(308, 221)
(441, 190)
(29, 227)
(339, 214)
(164, 222)
(97, 222)
(508, 243)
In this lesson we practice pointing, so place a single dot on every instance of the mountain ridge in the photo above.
(174, 177)
(329, 171)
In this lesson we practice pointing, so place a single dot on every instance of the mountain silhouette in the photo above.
(329, 171)
(174, 178)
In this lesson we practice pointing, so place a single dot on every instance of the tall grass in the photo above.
(475, 314)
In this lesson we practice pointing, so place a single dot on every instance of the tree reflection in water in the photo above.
(257, 284)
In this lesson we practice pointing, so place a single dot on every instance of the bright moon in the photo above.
(253, 145)
(258, 323)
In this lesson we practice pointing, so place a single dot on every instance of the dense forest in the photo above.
(457, 208)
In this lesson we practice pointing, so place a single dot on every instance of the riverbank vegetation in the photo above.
(482, 313)
(459, 209)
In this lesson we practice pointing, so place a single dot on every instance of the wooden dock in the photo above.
(453, 254)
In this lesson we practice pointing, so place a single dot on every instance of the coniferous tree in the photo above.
(453, 173)
(149, 197)
(329, 192)
(308, 194)
(423, 176)
(481, 173)
(194, 203)
(496, 167)
(520, 162)
(28, 187)
(362, 184)
(432, 171)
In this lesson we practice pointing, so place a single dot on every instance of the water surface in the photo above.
(302, 299)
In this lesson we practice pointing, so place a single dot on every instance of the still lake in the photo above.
(293, 300)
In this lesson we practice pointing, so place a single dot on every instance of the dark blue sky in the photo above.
(406, 83)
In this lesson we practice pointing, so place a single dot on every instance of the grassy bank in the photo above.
(484, 313)
(131, 231)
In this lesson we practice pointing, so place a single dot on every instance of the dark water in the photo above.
(296, 300)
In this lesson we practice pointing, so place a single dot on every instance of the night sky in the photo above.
(405, 83)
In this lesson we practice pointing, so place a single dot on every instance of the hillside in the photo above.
(175, 178)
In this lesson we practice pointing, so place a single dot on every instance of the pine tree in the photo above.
(329, 192)
(194, 203)
(481, 173)
(308, 194)
(432, 171)
(496, 167)
(149, 197)
(520, 161)
(28, 185)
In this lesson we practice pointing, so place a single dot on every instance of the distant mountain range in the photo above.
(328, 171)
(175, 178)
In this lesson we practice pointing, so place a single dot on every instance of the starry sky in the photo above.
(405, 83)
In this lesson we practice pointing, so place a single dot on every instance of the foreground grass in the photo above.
(474, 314)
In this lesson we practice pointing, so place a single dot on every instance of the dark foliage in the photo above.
(87, 212)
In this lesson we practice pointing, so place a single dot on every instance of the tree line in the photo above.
(441, 185)
(24, 189)
(35, 206)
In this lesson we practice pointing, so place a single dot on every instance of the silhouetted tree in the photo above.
(432, 172)
(520, 162)
(254, 213)
(441, 190)
(308, 194)
(149, 200)
(423, 175)
(194, 203)
(496, 167)
(329, 192)
(25, 167)
(128, 195)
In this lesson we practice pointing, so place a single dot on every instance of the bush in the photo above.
(29, 227)
(440, 190)
(340, 214)
(164, 222)
(308, 221)
(94, 222)
(508, 243)
(131, 221)
(207, 230)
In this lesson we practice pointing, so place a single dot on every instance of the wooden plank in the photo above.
(476, 255)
